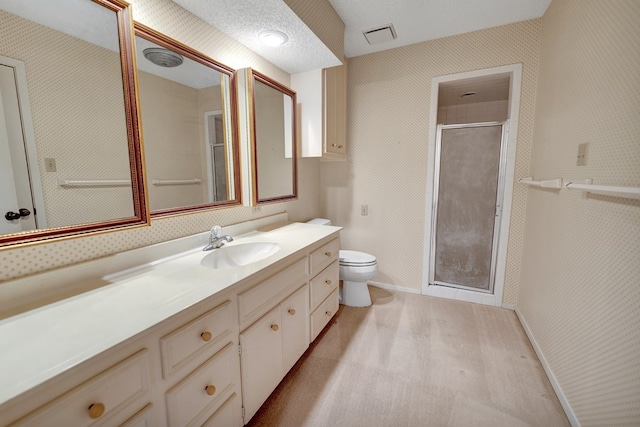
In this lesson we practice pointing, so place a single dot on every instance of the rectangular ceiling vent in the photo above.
(380, 35)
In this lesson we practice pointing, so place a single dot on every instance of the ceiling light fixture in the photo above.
(273, 38)
(162, 57)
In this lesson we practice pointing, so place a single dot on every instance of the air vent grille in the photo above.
(379, 35)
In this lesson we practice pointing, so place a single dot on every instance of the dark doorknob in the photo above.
(22, 212)
(12, 216)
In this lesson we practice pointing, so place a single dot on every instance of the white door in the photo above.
(15, 189)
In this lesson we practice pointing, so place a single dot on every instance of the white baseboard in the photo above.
(509, 306)
(571, 416)
(394, 287)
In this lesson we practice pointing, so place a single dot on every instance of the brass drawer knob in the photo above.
(206, 336)
(210, 389)
(336, 145)
(328, 313)
(328, 254)
(275, 327)
(96, 410)
(328, 281)
(292, 311)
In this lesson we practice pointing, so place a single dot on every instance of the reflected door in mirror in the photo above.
(68, 61)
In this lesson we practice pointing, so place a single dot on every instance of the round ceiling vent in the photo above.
(163, 57)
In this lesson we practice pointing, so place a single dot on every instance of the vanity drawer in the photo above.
(322, 257)
(258, 300)
(321, 316)
(99, 399)
(228, 415)
(324, 283)
(205, 389)
(208, 332)
(143, 418)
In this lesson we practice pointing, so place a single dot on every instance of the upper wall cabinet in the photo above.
(322, 106)
(70, 157)
(188, 108)
(267, 135)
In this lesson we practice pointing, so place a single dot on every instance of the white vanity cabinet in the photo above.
(322, 102)
(275, 342)
(172, 343)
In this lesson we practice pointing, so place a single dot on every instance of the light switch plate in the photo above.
(583, 150)
(50, 165)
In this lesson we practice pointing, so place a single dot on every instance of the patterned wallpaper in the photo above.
(166, 17)
(389, 95)
(580, 281)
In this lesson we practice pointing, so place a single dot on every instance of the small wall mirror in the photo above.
(269, 132)
(70, 158)
(188, 109)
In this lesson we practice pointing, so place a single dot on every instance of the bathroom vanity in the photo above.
(168, 338)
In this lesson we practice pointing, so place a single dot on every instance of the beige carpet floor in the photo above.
(412, 360)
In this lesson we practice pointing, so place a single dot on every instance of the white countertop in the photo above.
(39, 344)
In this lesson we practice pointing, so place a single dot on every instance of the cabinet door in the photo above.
(261, 361)
(295, 327)
(335, 113)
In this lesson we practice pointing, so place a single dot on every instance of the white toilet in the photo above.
(356, 268)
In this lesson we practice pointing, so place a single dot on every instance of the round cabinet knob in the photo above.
(275, 327)
(328, 254)
(206, 336)
(210, 389)
(292, 311)
(96, 410)
(328, 313)
(328, 281)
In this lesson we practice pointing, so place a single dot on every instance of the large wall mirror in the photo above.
(70, 158)
(188, 109)
(269, 145)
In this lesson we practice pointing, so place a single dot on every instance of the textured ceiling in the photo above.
(244, 20)
(420, 20)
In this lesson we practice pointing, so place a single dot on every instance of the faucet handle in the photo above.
(216, 231)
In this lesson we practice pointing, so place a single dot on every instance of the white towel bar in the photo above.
(609, 190)
(176, 181)
(94, 183)
(548, 183)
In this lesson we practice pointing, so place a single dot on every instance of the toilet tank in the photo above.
(320, 221)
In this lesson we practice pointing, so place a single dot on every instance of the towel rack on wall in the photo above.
(94, 183)
(547, 183)
(176, 181)
(609, 190)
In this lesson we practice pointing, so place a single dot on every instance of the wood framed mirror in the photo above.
(269, 149)
(188, 109)
(69, 145)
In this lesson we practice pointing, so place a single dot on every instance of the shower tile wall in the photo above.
(493, 111)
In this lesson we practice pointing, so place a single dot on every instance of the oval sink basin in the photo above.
(239, 255)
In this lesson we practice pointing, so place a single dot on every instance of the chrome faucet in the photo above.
(216, 239)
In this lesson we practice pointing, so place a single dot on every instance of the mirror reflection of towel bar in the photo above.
(176, 181)
(94, 183)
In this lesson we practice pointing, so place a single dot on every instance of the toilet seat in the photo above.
(356, 259)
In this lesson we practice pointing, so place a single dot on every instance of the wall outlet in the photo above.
(364, 210)
(50, 165)
(583, 150)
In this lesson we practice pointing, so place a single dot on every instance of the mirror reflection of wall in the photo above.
(268, 132)
(274, 141)
(187, 125)
(64, 116)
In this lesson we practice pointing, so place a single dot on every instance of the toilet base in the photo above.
(355, 294)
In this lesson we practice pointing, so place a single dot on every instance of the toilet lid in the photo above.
(355, 258)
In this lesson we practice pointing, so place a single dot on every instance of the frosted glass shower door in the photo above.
(467, 200)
